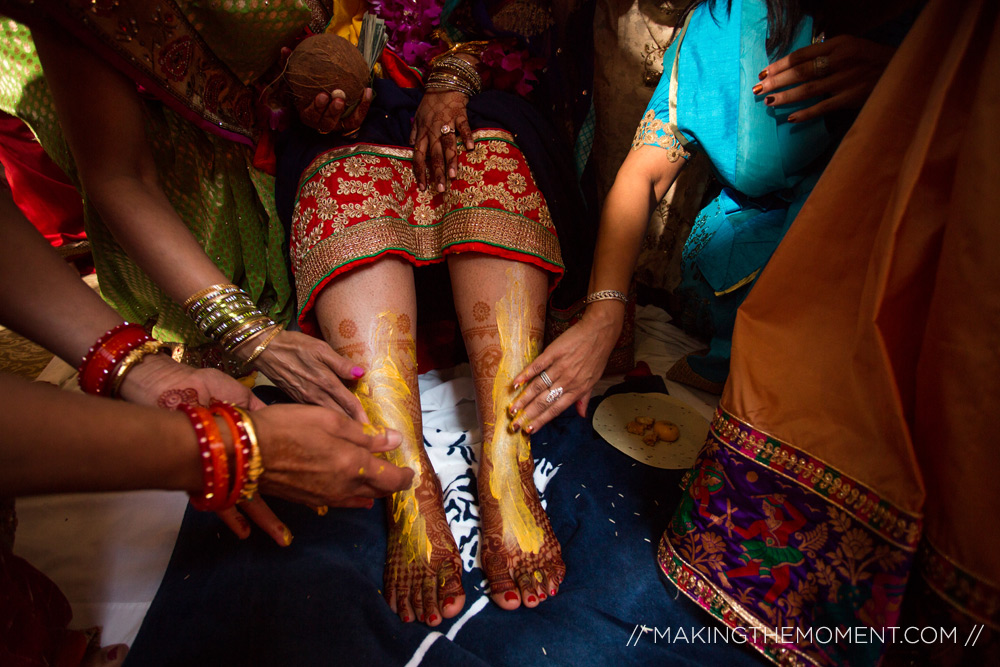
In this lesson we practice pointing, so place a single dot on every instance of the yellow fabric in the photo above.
(346, 19)
(871, 339)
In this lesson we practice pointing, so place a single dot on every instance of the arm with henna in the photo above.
(102, 116)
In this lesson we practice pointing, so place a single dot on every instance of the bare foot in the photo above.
(423, 569)
(106, 656)
(521, 556)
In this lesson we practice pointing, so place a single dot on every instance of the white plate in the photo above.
(618, 410)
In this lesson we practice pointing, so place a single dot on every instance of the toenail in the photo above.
(433, 618)
(421, 618)
(406, 619)
(510, 595)
(531, 598)
(552, 592)
(449, 601)
(542, 596)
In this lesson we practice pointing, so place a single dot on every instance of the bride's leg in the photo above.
(501, 309)
(369, 315)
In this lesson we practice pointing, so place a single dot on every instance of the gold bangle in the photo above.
(256, 467)
(474, 48)
(131, 360)
(605, 294)
(259, 350)
(205, 292)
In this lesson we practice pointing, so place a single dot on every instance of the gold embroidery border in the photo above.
(393, 152)
(892, 523)
(707, 595)
(952, 593)
(111, 28)
(376, 236)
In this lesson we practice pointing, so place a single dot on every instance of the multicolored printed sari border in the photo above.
(764, 538)
(176, 64)
(969, 593)
(717, 603)
(890, 522)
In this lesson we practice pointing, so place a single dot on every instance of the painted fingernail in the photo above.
(756, 89)
(433, 618)
(530, 428)
(513, 427)
(517, 385)
(511, 410)
(286, 536)
(769, 100)
(762, 75)
(370, 504)
(510, 595)
(322, 510)
(793, 119)
(449, 601)
(421, 618)
(532, 598)
(357, 372)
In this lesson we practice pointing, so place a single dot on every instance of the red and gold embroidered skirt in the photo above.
(360, 202)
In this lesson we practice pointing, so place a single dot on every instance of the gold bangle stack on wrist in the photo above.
(226, 314)
(452, 73)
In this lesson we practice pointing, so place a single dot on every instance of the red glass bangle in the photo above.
(241, 449)
(109, 350)
(212, 451)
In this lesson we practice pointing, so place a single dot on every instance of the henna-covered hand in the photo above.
(439, 110)
(159, 380)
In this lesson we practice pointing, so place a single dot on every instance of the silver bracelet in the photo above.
(606, 294)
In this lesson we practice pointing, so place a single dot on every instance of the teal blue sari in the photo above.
(766, 165)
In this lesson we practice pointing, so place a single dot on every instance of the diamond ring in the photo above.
(445, 129)
(554, 395)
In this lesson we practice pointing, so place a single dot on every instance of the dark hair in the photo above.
(783, 18)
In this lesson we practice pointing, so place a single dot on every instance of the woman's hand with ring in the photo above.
(572, 364)
(439, 122)
(842, 71)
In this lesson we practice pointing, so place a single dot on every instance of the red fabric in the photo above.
(33, 618)
(39, 187)
(394, 68)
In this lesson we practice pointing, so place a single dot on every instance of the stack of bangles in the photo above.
(226, 314)
(455, 74)
(228, 477)
(110, 359)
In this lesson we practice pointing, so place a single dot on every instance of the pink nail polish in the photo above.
(510, 595)
(357, 372)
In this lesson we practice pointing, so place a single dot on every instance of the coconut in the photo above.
(325, 63)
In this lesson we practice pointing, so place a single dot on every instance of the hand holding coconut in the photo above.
(328, 78)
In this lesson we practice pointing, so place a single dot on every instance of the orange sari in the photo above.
(852, 456)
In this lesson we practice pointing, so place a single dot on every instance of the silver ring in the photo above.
(820, 65)
(546, 379)
(554, 395)
(446, 129)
